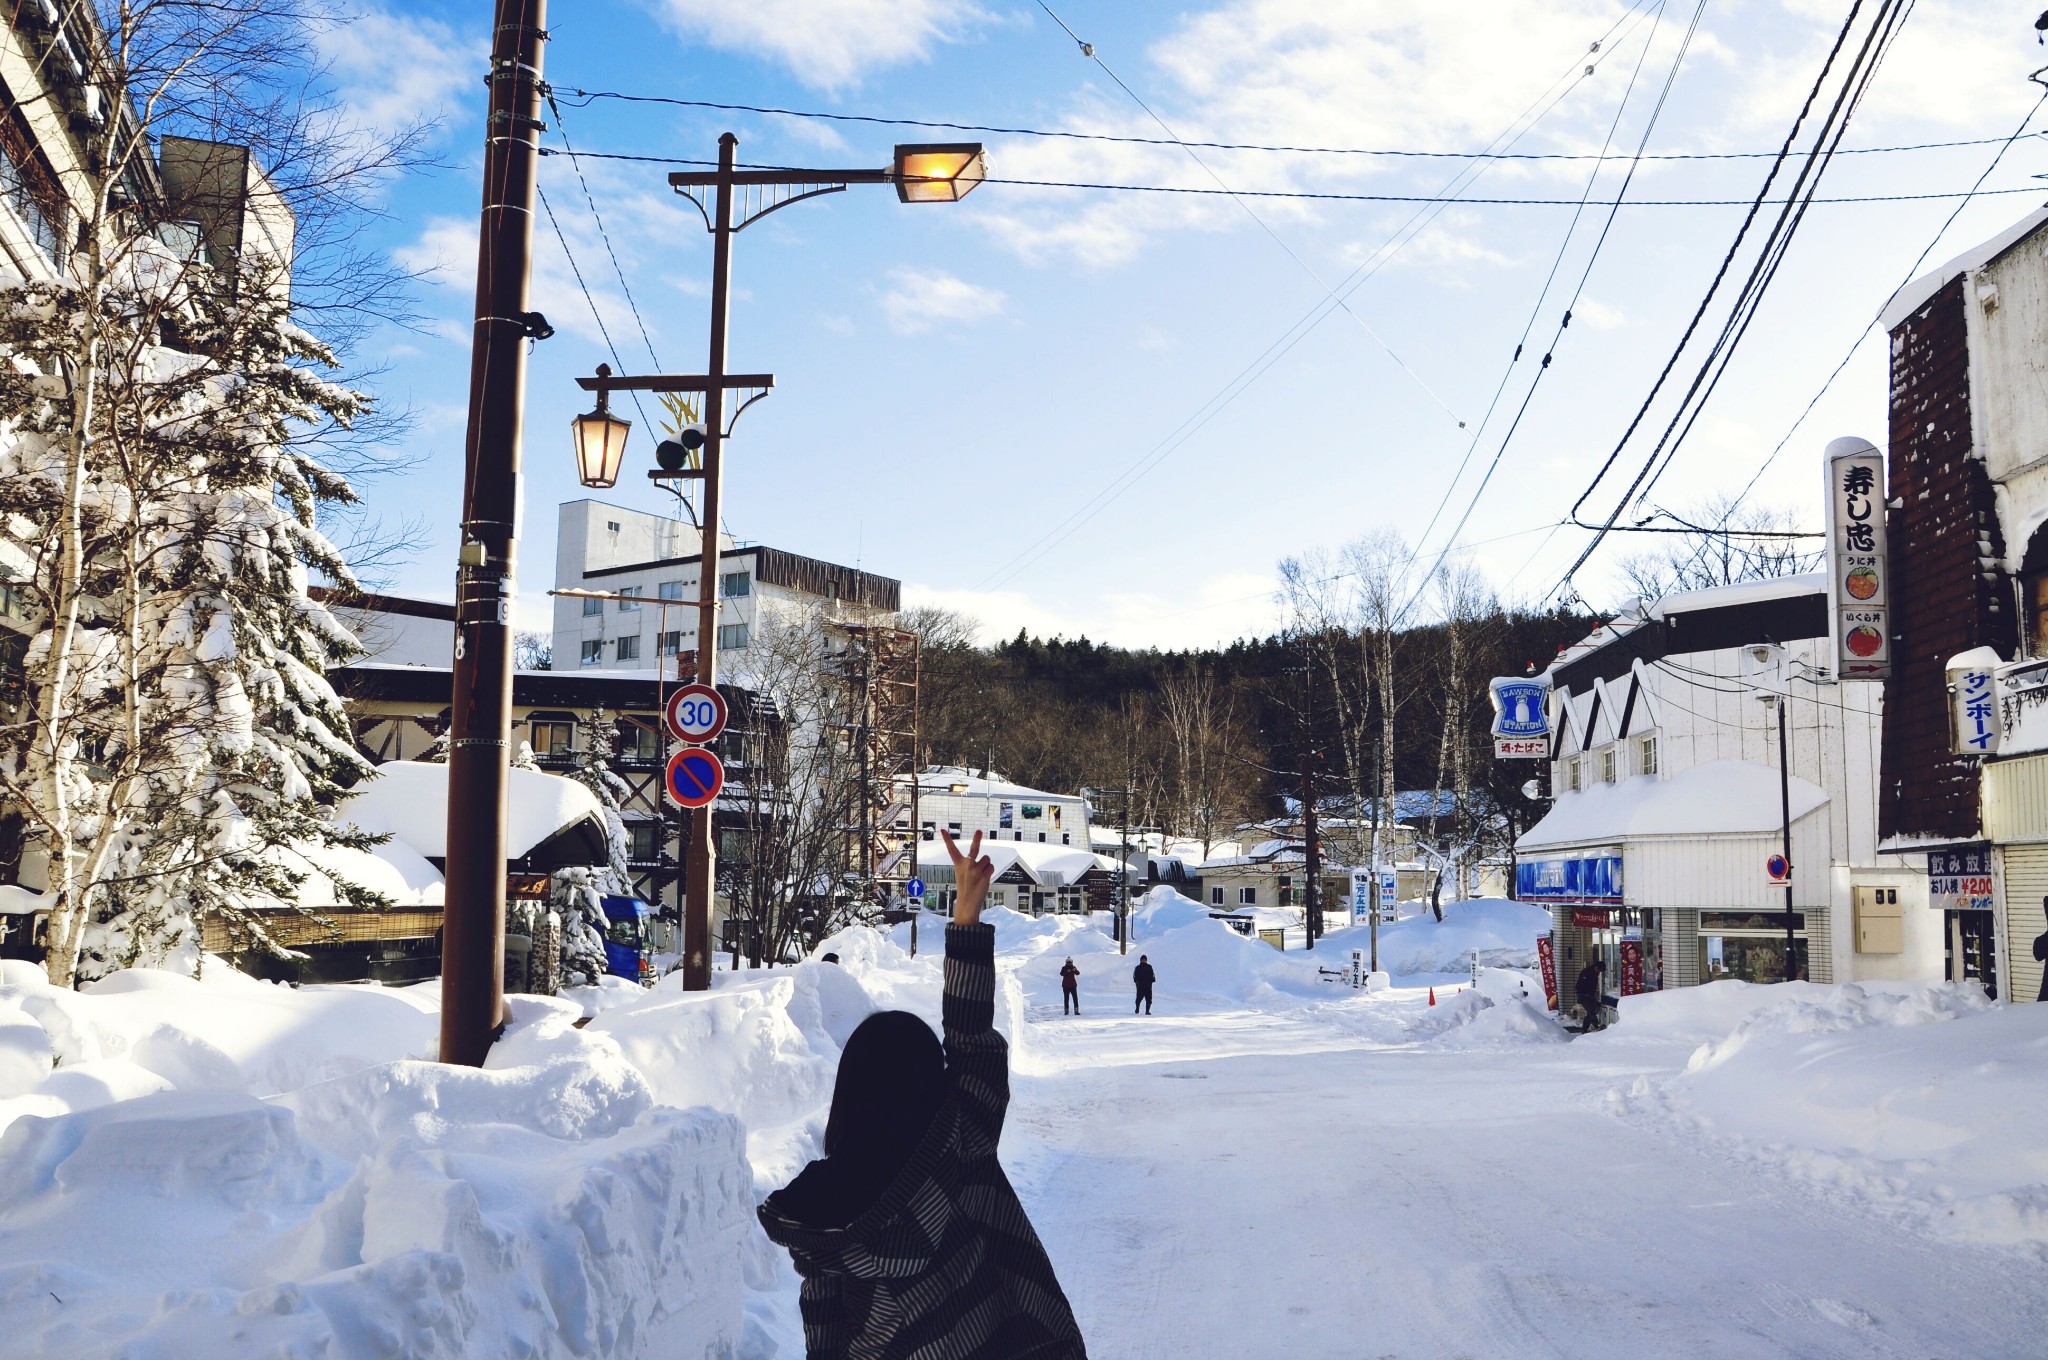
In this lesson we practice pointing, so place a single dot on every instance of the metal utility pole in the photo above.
(1313, 915)
(1785, 815)
(480, 712)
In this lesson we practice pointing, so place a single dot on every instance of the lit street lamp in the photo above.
(731, 199)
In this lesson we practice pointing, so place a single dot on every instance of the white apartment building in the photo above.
(1668, 802)
(616, 551)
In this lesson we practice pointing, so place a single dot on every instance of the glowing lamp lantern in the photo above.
(938, 172)
(600, 444)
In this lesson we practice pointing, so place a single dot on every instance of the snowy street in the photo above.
(1275, 1163)
(1216, 1175)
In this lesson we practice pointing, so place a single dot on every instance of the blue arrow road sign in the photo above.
(915, 887)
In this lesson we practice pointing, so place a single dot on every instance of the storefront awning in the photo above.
(1719, 798)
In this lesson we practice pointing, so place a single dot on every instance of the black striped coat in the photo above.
(944, 1266)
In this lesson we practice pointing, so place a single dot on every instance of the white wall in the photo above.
(2005, 308)
(400, 639)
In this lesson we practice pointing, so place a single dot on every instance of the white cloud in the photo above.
(1598, 315)
(394, 70)
(917, 300)
(827, 43)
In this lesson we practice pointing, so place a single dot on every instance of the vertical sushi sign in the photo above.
(1858, 573)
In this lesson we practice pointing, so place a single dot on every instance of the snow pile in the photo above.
(1473, 1019)
(1503, 931)
(226, 1166)
(1911, 1098)
(409, 1210)
(1162, 908)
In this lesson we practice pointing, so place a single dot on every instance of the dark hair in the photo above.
(892, 1076)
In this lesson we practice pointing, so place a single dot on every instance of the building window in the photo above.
(1571, 775)
(593, 651)
(732, 637)
(1066, 839)
(638, 740)
(954, 827)
(1000, 896)
(628, 606)
(552, 738)
(1247, 897)
(1646, 756)
(669, 590)
(732, 846)
(735, 584)
(1215, 897)
(1610, 765)
(611, 526)
(1286, 891)
(592, 608)
(928, 831)
(627, 648)
(669, 643)
(643, 842)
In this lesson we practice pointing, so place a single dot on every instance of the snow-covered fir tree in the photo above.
(180, 747)
(578, 893)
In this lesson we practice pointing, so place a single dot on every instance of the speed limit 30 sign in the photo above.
(696, 714)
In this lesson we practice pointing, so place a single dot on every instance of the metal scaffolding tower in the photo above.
(880, 666)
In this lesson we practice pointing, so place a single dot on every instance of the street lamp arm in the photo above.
(755, 205)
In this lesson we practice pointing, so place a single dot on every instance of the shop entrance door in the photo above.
(1972, 949)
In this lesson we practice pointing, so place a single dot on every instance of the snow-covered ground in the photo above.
(1270, 1164)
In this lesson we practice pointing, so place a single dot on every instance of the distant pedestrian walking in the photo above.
(1070, 988)
(1590, 993)
(1143, 976)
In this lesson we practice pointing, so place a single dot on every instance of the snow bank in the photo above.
(1907, 1097)
(406, 1209)
(226, 1029)
(1503, 931)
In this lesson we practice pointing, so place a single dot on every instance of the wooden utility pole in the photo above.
(1313, 915)
(480, 713)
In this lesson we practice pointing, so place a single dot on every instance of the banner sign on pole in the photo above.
(1974, 727)
(1361, 896)
(1858, 569)
(1631, 967)
(1521, 722)
(1960, 880)
(1547, 956)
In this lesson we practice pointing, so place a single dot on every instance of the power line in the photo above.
(1517, 128)
(595, 314)
(1088, 51)
(1813, 158)
(1332, 196)
(1642, 142)
(588, 96)
(562, 130)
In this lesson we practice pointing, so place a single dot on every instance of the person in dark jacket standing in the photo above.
(1070, 987)
(1143, 976)
(1589, 992)
(908, 1236)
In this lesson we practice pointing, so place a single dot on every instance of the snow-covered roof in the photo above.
(395, 869)
(409, 799)
(1914, 295)
(1741, 592)
(1719, 798)
(942, 778)
(1265, 852)
(1051, 865)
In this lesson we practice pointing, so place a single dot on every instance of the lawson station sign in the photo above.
(1521, 718)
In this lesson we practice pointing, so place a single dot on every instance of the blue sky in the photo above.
(958, 386)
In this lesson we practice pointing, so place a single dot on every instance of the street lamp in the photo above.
(731, 199)
(600, 440)
(938, 172)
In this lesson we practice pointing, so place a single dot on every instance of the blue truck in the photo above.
(627, 951)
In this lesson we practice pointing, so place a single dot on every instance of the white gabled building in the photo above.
(1668, 800)
(964, 802)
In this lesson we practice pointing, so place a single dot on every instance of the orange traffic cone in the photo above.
(1432, 996)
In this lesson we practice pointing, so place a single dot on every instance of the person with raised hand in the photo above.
(908, 1237)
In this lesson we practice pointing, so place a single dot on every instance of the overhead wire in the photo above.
(1088, 51)
(588, 96)
(1585, 274)
(1720, 275)
(1520, 126)
(1332, 196)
